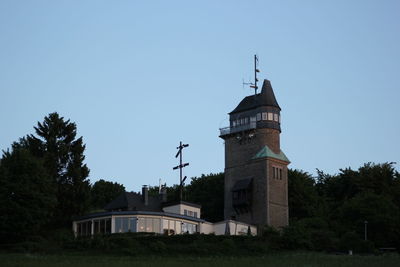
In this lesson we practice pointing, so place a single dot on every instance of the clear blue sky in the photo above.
(139, 76)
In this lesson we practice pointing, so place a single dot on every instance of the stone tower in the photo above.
(255, 166)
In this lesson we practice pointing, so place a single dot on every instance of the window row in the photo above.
(277, 173)
(189, 228)
(125, 224)
(190, 213)
(264, 116)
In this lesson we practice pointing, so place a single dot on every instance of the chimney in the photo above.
(145, 195)
(163, 194)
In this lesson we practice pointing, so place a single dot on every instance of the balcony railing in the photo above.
(235, 129)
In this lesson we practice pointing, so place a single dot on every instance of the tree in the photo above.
(56, 144)
(27, 195)
(102, 192)
(379, 211)
(303, 196)
(208, 191)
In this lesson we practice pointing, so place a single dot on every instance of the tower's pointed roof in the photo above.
(265, 98)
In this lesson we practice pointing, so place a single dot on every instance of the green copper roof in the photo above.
(267, 152)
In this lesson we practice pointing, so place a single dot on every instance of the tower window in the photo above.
(258, 116)
(277, 173)
(264, 116)
(276, 117)
(270, 116)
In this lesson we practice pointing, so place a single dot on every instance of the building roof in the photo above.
(173, 203)
(265, 98)
(267, 152)
(154, 213)
(134, 201)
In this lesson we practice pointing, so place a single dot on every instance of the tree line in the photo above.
(44, 184)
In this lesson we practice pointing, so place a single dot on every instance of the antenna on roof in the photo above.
(180, 167)
(256, 70)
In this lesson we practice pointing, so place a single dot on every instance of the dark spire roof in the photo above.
(265, 98)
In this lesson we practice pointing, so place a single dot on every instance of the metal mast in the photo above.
(180, 167)
(256, 70)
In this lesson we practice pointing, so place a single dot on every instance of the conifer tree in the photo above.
(63, 156)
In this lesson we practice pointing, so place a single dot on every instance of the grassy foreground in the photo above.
(278, 259)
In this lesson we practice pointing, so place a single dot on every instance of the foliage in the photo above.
(62, 153)
(26, 195)
(208, 191)
(102, 192)
(303, 196)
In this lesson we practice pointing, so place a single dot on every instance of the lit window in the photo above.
(270, 116)
(264, 116)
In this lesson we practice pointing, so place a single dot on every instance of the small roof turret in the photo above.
(265, 98)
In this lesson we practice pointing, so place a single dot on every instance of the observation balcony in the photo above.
(231, 130)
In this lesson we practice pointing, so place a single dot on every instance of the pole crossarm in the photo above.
(180, 167)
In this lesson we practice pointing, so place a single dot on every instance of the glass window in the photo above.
(276, 117)
(234, 123)
(253, 119)
(185, 212)
(141, 224)
(264, 116)
(118, 224)
(280, 174)
(189, 228)
(108, 226)
(258, 116)
(149, 225)
(195, 214)
(102, 226)
(125, 225)
(184, 228)
(96, 227)
(132, 225)
(156, 225)
(270, 116)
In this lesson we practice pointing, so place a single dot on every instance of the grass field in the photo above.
(308, 259)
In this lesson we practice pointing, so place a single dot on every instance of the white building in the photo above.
(133, 212)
